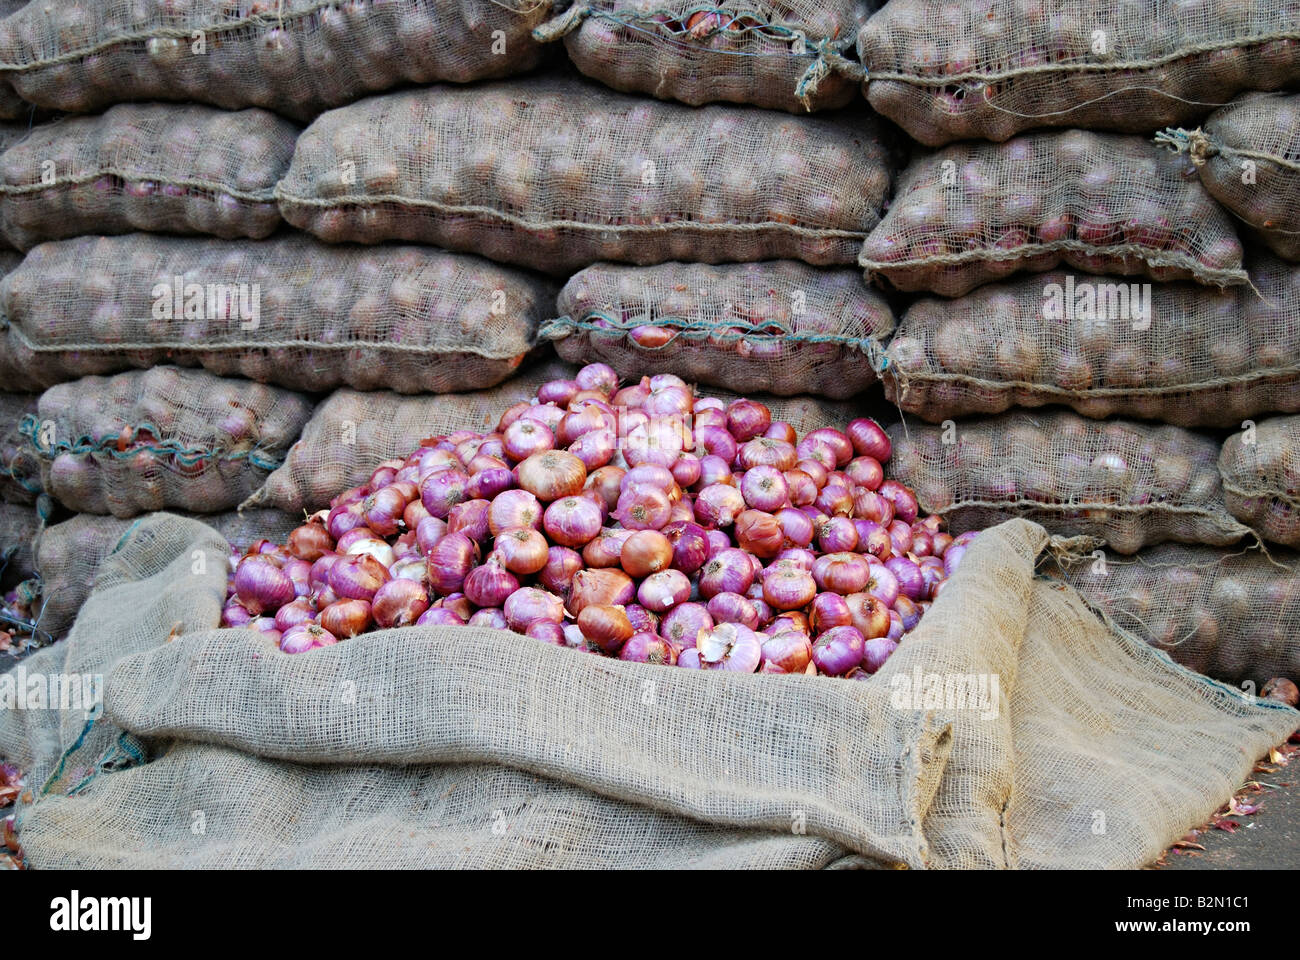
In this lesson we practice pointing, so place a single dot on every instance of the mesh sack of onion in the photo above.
(19, 524)
(20, 472)
(297, 57)
(1105, 346)
(1231, 615)
(1126, 483)
(289, 310)
(1260, 467)
(778, 326)
(557, 174)
(789, 56)
(1104, 203)
(163, 167)
(68, 555)
(955, 71)
(160, 438)
(1248, 156)
(460, 746)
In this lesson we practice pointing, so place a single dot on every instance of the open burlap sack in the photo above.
(775, 327)
(19, 525)
(556, 174)
(68, 555)
(162, 167)
(1248, 156)
(1233, 615)
(159, 438)
(351, 433)
(1106, 347)
(788, 57)
(954, 71)
(464, 747)
(1130, 484)
(297, 57)
(20, 471)
(289, 310)
(1260, 467)
(1103, 203)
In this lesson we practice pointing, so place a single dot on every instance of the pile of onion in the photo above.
(647, 523)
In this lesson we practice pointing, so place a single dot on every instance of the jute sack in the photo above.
(161, 167)
(777, 327)
(1234, 616)
(351, 433)
(19, 525)
(556, 174)
(787, 57)
(68, 555)
(1248, 156)
(1103, 203)
(20, 471)
(464, 747)
(1260, 466)
(1106, 347)
(12, 106)
(297, 57)
(1129, 484)
(159, 438)
(289, 310)
(954, 71)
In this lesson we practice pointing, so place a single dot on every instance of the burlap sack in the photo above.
(289, 310)
(20, 471)
(159, 438)
(557, 174)
(1248, 156)
(953, 71)
(1260, 466)
(463, 747)
(1234, 616)
(12, 106)
(297, 57)
(351, 433)
(1130, 484)
(1099, 202)
(787, 57)
(1104, 346)
(19, 525)
(68, 555)
(777, 327)
(161, 167)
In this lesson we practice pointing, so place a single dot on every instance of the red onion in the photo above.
(551, 475)
(870, 616)
(488, 483)
(606, 550)
(261, 586)
(399, 603)
(838, 442)
(869, 439)
(646, 552)
(608, 586)
(686, 470)
(874, 539)
(572, 521)
(605, 625)
(595, 449)
(798, 557)
(838, 650)
(522, 550)
(546, 631)
(717, 442)
(733, 608)
(796, 527)
(490, 617)
(529, 604)
(488, 585)
(829, 610)
(441, 491)
(440, 617)
(729, 646)
(875, 652)
(643, 507)
(299, 611)
(607, 481)
(908, 612)
(304, 637)
(764, 488)
(579, 423)
(558, 391)
(599, 377)
(408, 568)
(689, 659)
(788, 588)
(842, 573)
(790, 652)
(647, 648)
(816, 451)
(562, 564)
(895, 626)
(729, 571)
(683, 623)
(546, 414)
(346, 618)
(470, 517)
(900, 538)
(384, 508)
(837, 535)
(865, 472)
(910, 583)
(310, 542)
(234, 615)
(512, 509)
(690, 546)
(922, 545)
(834, 500)
(718, 505)
(664, 590)
(427, 534)
(903, 499)
(450, 561)
(713, 470)
(882, 584)
(747, 419)
(642, 620)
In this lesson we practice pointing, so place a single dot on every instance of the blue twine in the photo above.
(562, 327)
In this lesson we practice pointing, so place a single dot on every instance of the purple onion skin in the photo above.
(491, 617)
(910, 582)
(730, 571)
(683, 623)
(908, 612)
(645, 647)
(838, 650)
(439, 617)
(547, 631)
(882, 584)
(895, 626)
(733, 608)
(690, 659)
(876, 652)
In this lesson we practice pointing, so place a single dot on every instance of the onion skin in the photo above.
(838, 650)
(608, 587)
(605, 625)
(531, 604)
(550, 476)
(683, 623)
(399, 603)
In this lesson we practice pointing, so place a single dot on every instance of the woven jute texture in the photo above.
(556, 174)
(1099, 202)
(13, 375)
(788, 56)
(465, 747)
(166, 437)
(954, 71)
(68, 555)
(20, 471)
(350, 433)
(161, 167)
(1130, 484)
(297, 57)
(775, 327)
(12, 106)
(289, 310)
(19, 525)
(1105, 346)
(1260, 466)
(1233, 615)
(1248, 156)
